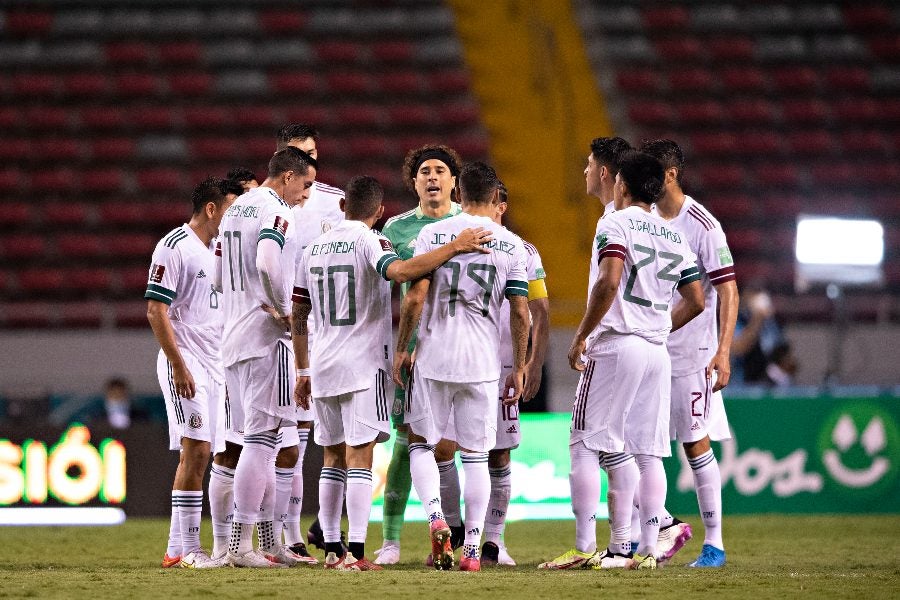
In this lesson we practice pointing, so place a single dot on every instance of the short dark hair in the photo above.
(503, 192)
(241, 174)
(362, 197)
(233, 186)
(667, 152)
(210, 189)
(643, 175)
(608, 151)
(290, 159)
(411, 162)
(478, 182)
(295, 131)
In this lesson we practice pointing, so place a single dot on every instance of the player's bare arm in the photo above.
(540, 339)
(519, 325)
(691, 304)
(268, 263)
(720, 364)
(300, 340)
(410, 312)
(158, 315)
(468, 240)
(602, 296)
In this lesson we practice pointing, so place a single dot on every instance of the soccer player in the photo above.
(700, 353)
(257, 263)
(430, 172)
(602, 168)
(621, 411)
(457, 364)
(342, 279)
(508, 430)
(243, 177)
(183, 310)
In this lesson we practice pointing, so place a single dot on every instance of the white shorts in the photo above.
(697, 411)
(430, 402)
(509, 431)
(199, 418)
(264, 388)
(622, 399)
(355, 418)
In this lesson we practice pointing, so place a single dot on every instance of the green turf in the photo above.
(768, 557)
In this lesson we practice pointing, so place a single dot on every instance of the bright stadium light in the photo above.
(843, 252)
(100, 515)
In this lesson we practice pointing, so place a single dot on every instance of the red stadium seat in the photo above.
(113, 148)
(365, 146)
(191, 84)
(10, 117)
(339, 52)
(34, 84)
(472, 146)
(85, 84)
(54, 180)
(889, 109)
(103, 117)
(807, 110)
(867, 16)
(459, 113)
(212, 148)
(835, 173)
(27, 315)
(716, 144)
(169, 213)
(153, 117)
(764, 142)
(350, 82)
(41, 280)
(848, 79)
(666, 18)
(398, 51)
(880, 174)
(207, 117)
(15, 214)
(102, 180)
(11, 179)
(731, 48)
(86, 314)
(29, 22)
(291, 82)
(886, 47)
(87, 280)
(134, 279)
(730, 207)
(132, 313)
(282, 21)
(122, 213)
(864, 141)
(363, 116)
(777, 175)
(745, 240)
(795, 79)
(258, 117)
(449, 81)
(718, 176)
(47, 117)
(402, 82)
(186, 52)
(160, 179)
(258, 146)
(127, 53)
(650, 112)
(857, 110)
(80, 245)
(700, 112)
(751, 111)
(680, 49)
(68, 214)
(142, 85)
(321, 115)
(127, 246)
(56, 149)
(22, 246)
(410, 115)
(15, 149)
(814, 142)
(744, 79)
(638, 81)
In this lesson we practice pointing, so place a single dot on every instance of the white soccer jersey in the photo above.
(259, 214)
(535, 270)
(657, 259)
(319, 213)
(343, 273)
(459, 332)
(693, 346)
(181, 276)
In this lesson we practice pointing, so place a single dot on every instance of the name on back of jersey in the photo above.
(336, 247)
(236, 210)
(439, 239)
(654, 229)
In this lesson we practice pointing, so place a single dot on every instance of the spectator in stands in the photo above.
(782, 366)
(756, 335)
(118, 403)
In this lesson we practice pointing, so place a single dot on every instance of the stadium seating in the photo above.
(110, 115)
(790, 107)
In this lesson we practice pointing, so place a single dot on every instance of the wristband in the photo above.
(302, 372)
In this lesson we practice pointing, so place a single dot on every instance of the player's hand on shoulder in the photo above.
(473, 239)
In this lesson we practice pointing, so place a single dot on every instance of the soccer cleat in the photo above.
(388, 554)
(605, 559)
(441, 550)
(469, 564)
(254, 559)
(710, 556)
(571, 559)
(170, 561)
(333, 561)
(304, 556)
(351, 563)
(316, 537)
(642, 562)
(504, 559)
(671, 539)
(457, 536)
(490, 553)
(284, 555)
(201, 560)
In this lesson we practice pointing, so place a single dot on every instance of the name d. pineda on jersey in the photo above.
(336, 247)
(654, 229)
(237, 210)
(497, 245)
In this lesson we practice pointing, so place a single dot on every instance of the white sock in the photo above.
(359, 504)
(477, 495)
(174, 547)
(292, 533)
(450, 492)
(265, 526)
(498, 506)
(708, 481)
(283, 482)
(623, 476)
(189, 511)
(665, 518)
(584, 483)
(221, 506)
(426, 479)
(652, 499)
(635, 525)
(251, 478)
(241, 540)
(332, 482)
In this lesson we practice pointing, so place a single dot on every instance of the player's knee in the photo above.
(498, 458)
(287, 457)
(695, 449)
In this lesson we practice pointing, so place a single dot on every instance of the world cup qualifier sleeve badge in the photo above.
(156, 273)
(281, 225)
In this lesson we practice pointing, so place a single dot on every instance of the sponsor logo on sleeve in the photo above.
(156, 273)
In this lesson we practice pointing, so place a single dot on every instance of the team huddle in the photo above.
(272, 307)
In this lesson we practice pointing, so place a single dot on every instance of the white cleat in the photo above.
(199, 559)
(283, 555)
(672, 539)
(388, 554)
(604, 559)
(504, 559)
(252, 560)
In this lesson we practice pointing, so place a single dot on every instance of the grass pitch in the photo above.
(769, 556)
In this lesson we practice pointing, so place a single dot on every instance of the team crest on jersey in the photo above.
(386, 245)
(326, 226)
(281, 225)
(196, 421)
(156, 273)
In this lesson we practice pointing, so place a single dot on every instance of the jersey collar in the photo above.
(455, 209)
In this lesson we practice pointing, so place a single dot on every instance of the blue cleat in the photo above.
(710, 556)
